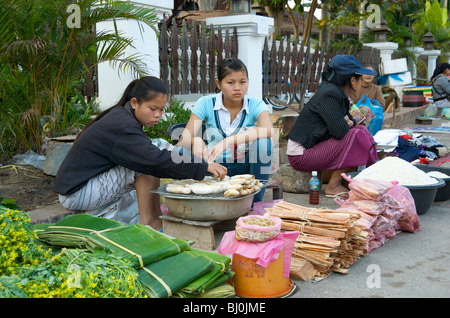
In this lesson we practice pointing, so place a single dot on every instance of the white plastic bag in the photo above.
(431, 110)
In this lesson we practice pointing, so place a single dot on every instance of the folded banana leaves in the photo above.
(141, 244)
(212, 290)
(166, 266)
(222, 291)
(164, 278)
(219, 271)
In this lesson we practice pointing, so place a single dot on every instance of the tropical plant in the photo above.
(49, 48)
(175, 113)
(434, 19)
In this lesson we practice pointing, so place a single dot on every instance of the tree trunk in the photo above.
(324, 37)
(362, 22)
(309, 22)
(294, 24)
(277, 15)
(206, 5)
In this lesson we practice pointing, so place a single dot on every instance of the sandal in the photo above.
(341, 195)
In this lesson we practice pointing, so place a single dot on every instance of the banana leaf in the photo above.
(221, 264)
(71, 230)
(141, 244)
(222, 291)
(163, 278)
(220, 280)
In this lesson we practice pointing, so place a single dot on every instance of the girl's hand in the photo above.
(349, 121)
(217, 150)
(217, 170)
(199, 148)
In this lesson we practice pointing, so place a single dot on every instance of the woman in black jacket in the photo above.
(325, 136)
(113, 155)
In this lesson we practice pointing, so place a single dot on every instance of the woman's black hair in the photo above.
(330, 76)
(441, 68)
(143, 89)
(228, 66)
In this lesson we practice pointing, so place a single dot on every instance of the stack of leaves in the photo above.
(213, 280)
(141, 244)
(163, 278)
(165, 265)
(328, 239)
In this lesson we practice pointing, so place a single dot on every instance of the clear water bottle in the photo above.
(314, 189)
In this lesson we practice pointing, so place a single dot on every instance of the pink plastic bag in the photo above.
(248, 230)
(365, 221)
(264, 253)
(259, 208)
(366, 206)
(366, 189)
(401, 198)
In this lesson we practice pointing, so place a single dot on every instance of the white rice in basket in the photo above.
(396, 169)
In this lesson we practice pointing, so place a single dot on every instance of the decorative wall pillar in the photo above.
(417, 51)
(386, 49)
(251, 31)
(432, 56)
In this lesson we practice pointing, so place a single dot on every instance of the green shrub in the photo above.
(175, 113)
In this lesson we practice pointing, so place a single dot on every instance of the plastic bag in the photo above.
(431, 110)
(401, 198)
(362, 115)
(377, 121)
(366, 189)
(365, 221)
(259, 208)
(263, 253)
(446, 112)
(366, 206)
(257, 228)
(30, 158)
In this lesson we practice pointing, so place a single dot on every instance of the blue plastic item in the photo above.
(377, 122)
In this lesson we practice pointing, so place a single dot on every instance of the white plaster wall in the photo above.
(111, 82)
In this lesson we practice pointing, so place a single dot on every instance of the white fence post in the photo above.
(251, 31)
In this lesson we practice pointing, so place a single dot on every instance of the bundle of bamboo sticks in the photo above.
(328, 239)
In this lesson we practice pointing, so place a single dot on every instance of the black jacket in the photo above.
(118, 139)
(322, 117)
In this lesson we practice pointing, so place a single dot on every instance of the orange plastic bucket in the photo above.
(254, 281)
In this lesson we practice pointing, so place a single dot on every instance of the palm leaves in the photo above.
(44, 60)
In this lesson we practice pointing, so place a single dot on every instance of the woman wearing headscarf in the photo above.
(325, 136)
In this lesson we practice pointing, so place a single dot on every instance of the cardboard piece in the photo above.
(394, 66)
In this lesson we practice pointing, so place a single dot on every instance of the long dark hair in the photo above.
(441, 68)
(143, 89)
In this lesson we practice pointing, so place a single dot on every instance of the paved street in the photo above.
(407, 266)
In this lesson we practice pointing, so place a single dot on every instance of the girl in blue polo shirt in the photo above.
(238, 127)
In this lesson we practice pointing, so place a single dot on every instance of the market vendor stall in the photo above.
(197, 208)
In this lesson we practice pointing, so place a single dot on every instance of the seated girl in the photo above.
(233, 137)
